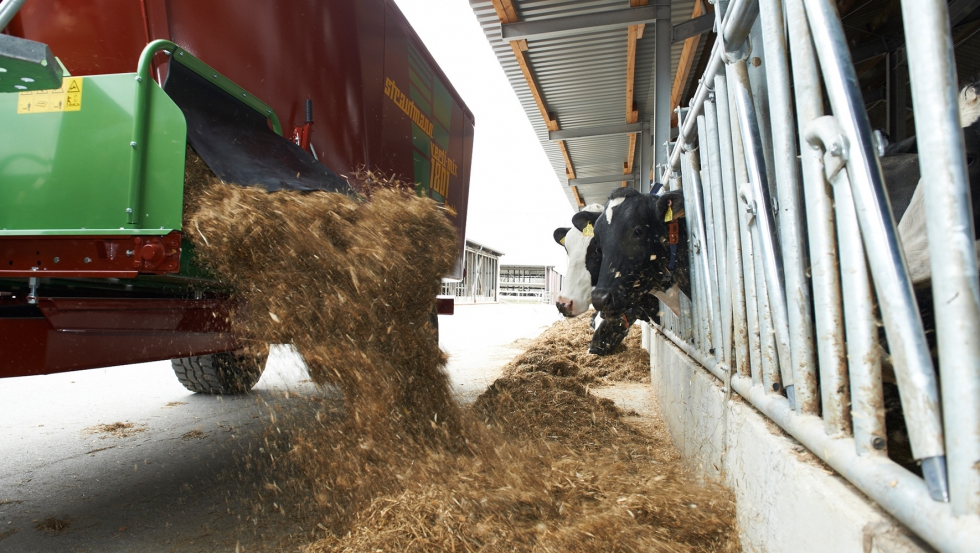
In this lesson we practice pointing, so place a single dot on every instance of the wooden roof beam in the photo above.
(684, 67)
(508, 14)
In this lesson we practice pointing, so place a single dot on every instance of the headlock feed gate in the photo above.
(792, 259)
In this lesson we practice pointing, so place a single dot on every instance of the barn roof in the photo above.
(581, 81)
(590, 78)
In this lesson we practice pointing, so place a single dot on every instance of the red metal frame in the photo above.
(85, 333)
(89, 256)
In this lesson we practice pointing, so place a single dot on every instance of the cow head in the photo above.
(969, 104)
(632, 252)
(576, 291)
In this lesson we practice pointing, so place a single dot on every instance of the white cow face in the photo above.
(969, 102)
(576, 292)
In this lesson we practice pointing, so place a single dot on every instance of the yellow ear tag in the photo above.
(669, 216)
(562, 241)
(588, 231)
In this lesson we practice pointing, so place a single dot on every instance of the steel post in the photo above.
(753, 315)
(646, 157)
(662, 83)
(789, 206)
(949, 225)
(736, 283)
(770, 255)
(707, 226)
(719, 224)
(698, 268)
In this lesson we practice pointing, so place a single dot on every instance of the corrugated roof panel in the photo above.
(582, 79)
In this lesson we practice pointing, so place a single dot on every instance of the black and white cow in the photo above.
(633, 254)
(900, 164)
(912, 222)
(576, 290)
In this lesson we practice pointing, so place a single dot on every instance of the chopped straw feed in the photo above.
(536, 464)
(562, 350)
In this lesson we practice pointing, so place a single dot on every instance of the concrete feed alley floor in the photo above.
(165, 479)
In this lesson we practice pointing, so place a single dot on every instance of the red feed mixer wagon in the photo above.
(99, 100)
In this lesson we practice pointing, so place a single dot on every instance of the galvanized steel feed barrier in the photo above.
(789, 253)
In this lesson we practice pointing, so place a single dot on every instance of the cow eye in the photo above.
(970, 159)
(638, 231)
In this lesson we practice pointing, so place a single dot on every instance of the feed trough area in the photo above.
(537, 463)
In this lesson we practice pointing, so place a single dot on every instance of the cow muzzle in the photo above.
(602, 300)
(564, 307)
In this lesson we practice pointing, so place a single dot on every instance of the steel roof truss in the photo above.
(590, 132)
(576, 24)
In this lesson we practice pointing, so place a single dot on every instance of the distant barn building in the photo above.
(540, 283)
(481, 274)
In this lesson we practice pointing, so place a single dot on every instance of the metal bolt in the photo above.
(57, 260)
(775, 386)
(133, 144)
(836, 150)
(130, 253)
(878, 443)
(87, 260)
(129, 210)
(180, 53)
(724, 390)
(139, 79)
(215, 75)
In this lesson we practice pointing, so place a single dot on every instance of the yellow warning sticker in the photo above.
(66, 98)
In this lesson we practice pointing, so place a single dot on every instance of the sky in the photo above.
(516, 200)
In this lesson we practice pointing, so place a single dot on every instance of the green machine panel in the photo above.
(66, 159)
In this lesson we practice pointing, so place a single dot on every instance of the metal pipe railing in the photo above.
(949, 226)
(826, 142)
(712, 151)
(791, 225)
(736, 283)
(739, 15)
(736, 254)
(759, 204)
(706, 215)
(8, 10)
(892, 487)
(753, 313)
(699, 269)
(906, 338)
(827, 303)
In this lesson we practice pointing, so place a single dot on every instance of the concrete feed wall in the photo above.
(787, 499)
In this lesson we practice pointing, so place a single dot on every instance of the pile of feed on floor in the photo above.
(562, 350)
(536, 464)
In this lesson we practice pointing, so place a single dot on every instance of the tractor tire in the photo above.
(219, 373)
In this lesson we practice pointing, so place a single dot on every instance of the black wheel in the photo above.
(219, 373)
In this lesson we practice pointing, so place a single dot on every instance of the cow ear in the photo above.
(674, 200)
(584, 221)
(560, 233)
